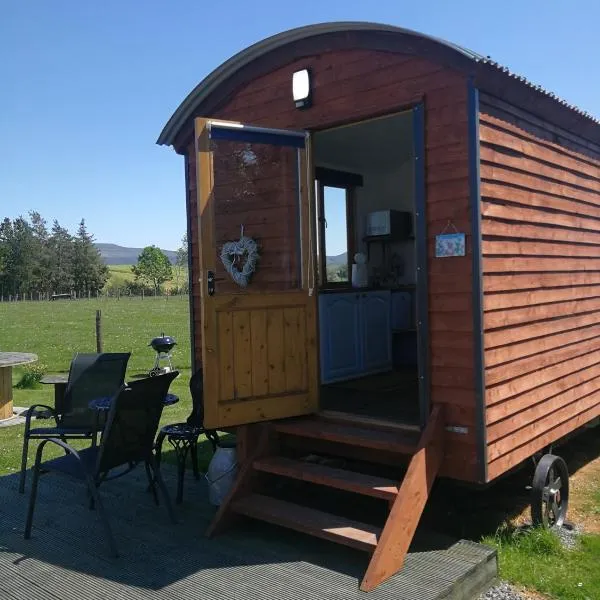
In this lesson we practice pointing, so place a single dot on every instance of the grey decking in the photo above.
(67, 557)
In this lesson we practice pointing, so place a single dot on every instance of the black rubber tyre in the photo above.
(550, 492)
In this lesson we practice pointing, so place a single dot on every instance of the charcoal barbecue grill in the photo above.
(162, 345)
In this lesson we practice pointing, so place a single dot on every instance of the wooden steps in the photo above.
(265, 452)
(341, 479)
(401, 442)
(307, 520)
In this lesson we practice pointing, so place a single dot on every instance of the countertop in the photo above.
(350, 289)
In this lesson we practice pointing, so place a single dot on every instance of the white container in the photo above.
(360, 276)
(221, 474)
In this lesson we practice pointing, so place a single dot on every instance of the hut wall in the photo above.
(540, 205)
(352, 85)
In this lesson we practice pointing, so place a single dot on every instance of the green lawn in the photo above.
(55, 331)
(537, 561)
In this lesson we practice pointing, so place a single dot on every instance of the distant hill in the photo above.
(121, 255)
(340, 259)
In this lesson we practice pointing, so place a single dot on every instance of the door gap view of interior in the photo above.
(365, 194)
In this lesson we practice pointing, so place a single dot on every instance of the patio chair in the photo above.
(127, 441)
(90, 376)
(184, 436)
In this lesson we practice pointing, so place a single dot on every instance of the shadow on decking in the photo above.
(67, 555)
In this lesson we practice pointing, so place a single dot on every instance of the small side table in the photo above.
(60, 387)
(8, 360)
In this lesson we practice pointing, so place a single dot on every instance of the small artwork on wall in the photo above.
(449, 244)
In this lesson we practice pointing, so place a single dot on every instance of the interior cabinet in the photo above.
(355, 334)
(375, 320)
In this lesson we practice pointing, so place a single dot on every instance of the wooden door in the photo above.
(259, 338)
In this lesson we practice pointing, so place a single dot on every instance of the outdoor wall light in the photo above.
(301, 91)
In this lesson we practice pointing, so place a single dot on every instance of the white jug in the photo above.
(221, 473)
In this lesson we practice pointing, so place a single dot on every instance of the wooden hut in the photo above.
(474, 197)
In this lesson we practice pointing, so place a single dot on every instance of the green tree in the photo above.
(152, 268)
(60, 245)
(42, 259)
(89, 271)
(19, 257)
(181, 261)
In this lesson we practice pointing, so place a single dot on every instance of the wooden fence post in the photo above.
(98, 331)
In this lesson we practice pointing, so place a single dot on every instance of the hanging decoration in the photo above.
(449, 244)
(239, 258)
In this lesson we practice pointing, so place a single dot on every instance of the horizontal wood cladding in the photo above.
(540, 205)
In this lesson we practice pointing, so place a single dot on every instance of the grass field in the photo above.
(55, 331)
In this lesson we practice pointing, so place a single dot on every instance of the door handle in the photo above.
(210, 283)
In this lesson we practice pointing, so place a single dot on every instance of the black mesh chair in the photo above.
(90, 376)
(127, 441)
(184, 436)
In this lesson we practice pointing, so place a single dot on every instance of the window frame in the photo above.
(348, 182)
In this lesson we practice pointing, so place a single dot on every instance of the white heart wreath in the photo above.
(232, 252)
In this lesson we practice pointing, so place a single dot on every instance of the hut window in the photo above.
(335, 198)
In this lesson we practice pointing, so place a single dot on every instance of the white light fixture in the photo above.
(301, 91)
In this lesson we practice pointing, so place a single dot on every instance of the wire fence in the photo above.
(98, 295)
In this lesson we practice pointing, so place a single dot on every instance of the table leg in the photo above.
(59, 396)
(6, 404)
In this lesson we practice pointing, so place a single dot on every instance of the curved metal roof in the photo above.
(186, 109)
(246, 56)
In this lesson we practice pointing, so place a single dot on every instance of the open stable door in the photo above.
(258, 316)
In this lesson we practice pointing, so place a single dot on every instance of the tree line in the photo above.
(35, 258)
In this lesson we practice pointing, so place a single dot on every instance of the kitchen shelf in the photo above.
(387, 238)
(384, 240)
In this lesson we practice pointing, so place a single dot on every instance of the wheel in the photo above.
(154, 372)
(550, 492)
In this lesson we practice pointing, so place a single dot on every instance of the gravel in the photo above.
(502, 591)
(568, 535)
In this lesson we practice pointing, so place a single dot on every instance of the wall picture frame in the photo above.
(450, 244)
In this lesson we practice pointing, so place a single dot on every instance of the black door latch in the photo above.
(210, 280)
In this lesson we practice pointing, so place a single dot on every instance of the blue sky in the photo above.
(85, 88)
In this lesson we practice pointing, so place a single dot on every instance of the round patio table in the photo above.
(8, 360)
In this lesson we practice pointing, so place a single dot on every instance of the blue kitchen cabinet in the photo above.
(355, 334)
(339, 323)
(376, 331)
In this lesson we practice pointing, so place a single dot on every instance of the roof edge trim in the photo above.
(238, 61)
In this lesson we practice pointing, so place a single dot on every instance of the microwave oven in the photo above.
(394, 224)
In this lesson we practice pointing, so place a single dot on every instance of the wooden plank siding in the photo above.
(356, 84)
(540, 205)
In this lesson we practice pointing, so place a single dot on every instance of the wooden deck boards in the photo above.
(67, 557)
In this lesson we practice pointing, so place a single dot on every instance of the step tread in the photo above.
(308, 520)
(342, 479)
(376, 439)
